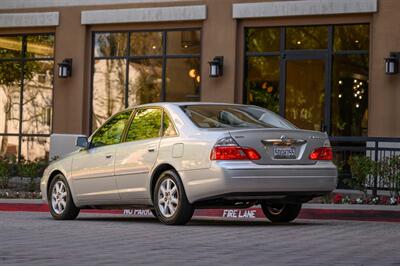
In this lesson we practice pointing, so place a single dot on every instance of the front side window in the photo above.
(26, 95)
(145, 125)
(111, 132)
(138, 67)
(234, 116)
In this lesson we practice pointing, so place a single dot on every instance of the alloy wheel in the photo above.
(168, 198)
(59, 197)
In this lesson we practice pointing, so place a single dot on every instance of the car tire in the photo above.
(170, 202)
(61, 204)
(281, 213)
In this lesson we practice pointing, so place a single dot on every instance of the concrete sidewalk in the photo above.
(380, 213)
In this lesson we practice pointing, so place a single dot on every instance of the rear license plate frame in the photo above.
(284, 152)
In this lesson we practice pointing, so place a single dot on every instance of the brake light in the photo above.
(322, 154)
(234, 153)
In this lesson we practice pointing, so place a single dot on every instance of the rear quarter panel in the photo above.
(188, 151)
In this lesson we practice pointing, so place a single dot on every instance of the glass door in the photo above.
(305, 83)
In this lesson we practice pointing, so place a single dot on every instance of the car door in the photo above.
(93, 169)
(135, 159)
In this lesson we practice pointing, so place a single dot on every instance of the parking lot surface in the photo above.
(102, 239)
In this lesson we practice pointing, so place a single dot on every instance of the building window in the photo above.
(137, 67)
(315, 76)
(26, 92)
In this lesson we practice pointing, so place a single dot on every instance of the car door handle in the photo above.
(151, 149)
(108, 156)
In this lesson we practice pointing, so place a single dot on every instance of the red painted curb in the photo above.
(251, 213)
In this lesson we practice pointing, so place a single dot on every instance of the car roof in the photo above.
(166, 104)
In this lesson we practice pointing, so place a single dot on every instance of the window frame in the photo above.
(164, 56)
(22, 59)
(286, 54)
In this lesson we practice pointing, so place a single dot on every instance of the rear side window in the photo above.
(234, 116)
(145, 125)
(111, 132)
(168, 127)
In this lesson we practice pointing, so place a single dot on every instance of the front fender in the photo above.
(64, 167)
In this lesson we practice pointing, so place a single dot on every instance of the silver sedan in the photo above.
(176, 157)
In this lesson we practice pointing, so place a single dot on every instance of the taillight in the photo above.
(322, 154)
(234, 153)
(228, 149)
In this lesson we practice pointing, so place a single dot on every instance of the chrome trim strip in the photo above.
(286, 142)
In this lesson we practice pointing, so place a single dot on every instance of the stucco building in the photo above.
(319, 63)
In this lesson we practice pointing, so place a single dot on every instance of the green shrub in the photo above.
(31, 168)
(9, 167)
(5, 172)
(361, 168)
(389, 170)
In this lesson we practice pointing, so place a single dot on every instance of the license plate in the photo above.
(284, 153)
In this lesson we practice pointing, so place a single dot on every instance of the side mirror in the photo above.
(82, 142)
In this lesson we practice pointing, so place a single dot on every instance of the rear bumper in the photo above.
(249, 180)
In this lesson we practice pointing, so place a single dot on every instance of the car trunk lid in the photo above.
(281, 146)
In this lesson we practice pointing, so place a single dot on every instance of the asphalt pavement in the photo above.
(34, 238)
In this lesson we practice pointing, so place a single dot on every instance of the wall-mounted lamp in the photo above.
(216, 67)
(65, 68)
(392, 64)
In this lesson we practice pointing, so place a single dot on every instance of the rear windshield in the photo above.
(234, 116)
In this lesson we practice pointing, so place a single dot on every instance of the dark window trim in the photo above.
(22, 59)
(327, 53)
(129, 58)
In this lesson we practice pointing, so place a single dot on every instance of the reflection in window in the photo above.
(351, 37)
(37, 101)
(145, 125)
(156, 72)
(26, 77)
(262, 39)
(108, 89)
(304, 38)
(111, 132)
(262, 82)
(183, 79)
(40, 46)
(146, 43)
(34, 148)
(10, 47)
(233, 116)
(304, 80)
(8, 146)
(350, 95)
(183, 42)
(10, 87)
(305, 93)
(145, 81)
(110, 44)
